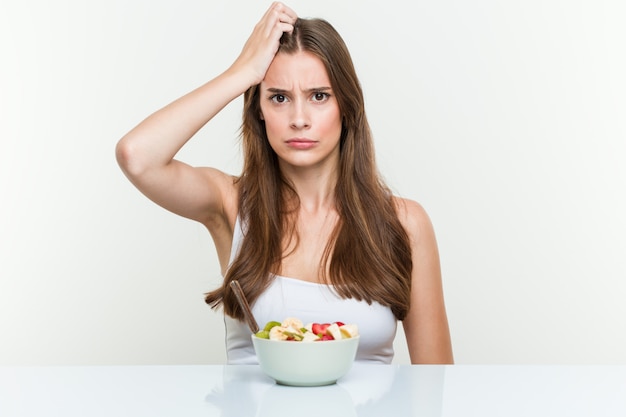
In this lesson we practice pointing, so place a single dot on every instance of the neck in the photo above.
(315, 189)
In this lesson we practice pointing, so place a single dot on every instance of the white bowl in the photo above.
(305, 364)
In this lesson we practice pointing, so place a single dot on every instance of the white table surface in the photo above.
(367, 390)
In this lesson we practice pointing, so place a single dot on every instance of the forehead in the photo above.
(301, 70)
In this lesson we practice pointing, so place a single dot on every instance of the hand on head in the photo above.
(260, 48)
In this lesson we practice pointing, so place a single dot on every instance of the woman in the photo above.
(308, 228)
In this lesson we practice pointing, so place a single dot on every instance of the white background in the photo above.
(505, 119)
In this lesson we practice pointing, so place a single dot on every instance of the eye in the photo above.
(320, 96)
(278, 98)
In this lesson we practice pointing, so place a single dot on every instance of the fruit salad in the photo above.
(292, 329)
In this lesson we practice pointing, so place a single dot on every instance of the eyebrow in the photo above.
(308, 90)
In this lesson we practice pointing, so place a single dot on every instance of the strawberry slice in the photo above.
(319, 328)
(339, 323)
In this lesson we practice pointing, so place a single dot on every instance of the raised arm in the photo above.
(146, 153)
(426, 325)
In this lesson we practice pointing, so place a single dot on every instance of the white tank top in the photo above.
(311, 302)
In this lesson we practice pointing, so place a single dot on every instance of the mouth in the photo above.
(301, 143)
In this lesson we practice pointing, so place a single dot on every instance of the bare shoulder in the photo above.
(414, 219)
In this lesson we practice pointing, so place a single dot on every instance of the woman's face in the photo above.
(301, 113)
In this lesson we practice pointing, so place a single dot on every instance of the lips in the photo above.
(301, 143)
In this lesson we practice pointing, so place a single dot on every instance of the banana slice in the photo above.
(292, 322)
(278, 333)
(334, 331)
(310, 337)
(349, 330)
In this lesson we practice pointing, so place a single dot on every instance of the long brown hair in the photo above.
(368, 254)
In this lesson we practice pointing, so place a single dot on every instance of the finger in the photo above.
(293, 16)
(286, 27)
(286, 18)
(286, 14)
(278, 22)
(270, 15)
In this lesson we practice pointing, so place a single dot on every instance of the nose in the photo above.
(300, 116)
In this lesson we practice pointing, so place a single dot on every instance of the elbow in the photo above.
(128, 158)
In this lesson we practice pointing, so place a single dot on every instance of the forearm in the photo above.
(430, 345)
(155, 141)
